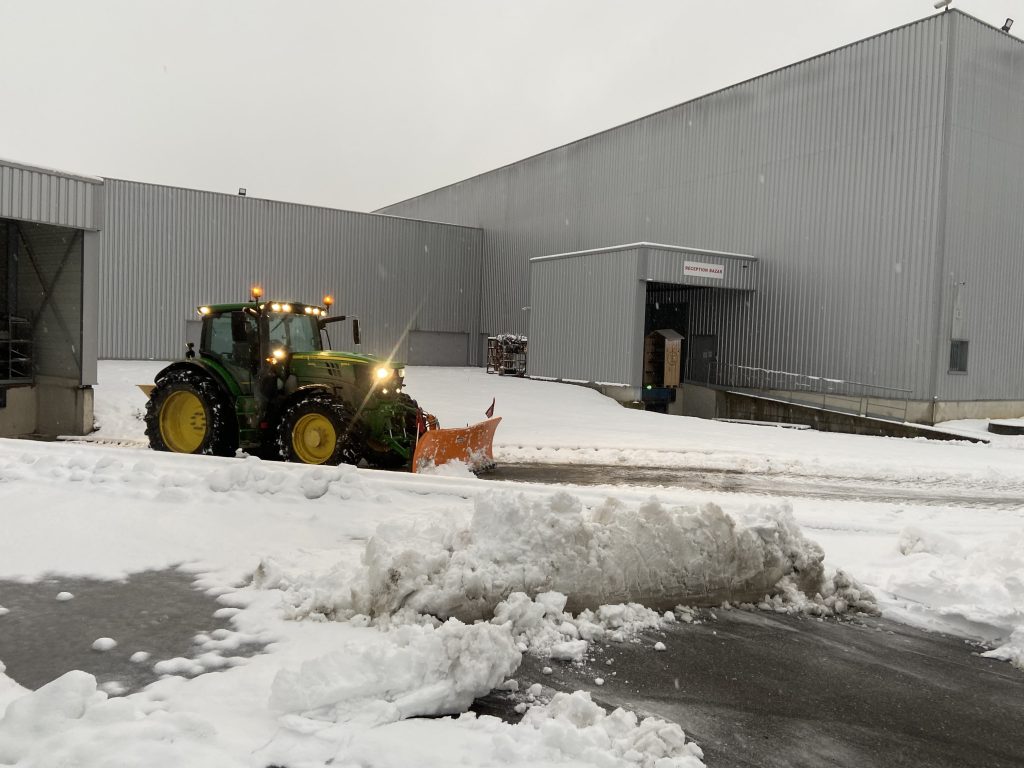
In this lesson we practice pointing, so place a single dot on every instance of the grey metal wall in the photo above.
(827, 171)
(35, 194)
(982, 267)
(587, 317)
(166, 250)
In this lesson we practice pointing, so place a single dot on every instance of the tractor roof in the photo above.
(216, 309)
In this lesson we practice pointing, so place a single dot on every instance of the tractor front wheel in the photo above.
(317, 429)
(188, 413)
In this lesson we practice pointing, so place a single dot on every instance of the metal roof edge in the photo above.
(290, 202)
(98, 180)
(644, 244)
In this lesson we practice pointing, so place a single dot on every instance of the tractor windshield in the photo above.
(299, 333)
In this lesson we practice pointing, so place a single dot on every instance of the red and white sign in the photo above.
(701, 269)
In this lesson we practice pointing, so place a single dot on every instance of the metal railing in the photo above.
(843, 395)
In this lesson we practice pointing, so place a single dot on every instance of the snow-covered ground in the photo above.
(384, 596)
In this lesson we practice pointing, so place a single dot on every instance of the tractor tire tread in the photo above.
(222, 424)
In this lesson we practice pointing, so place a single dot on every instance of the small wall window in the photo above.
(958, 356)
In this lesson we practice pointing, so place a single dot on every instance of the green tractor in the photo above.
(264, 382)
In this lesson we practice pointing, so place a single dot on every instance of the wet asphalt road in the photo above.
(738, 481)
(762, 690)
(159, 612)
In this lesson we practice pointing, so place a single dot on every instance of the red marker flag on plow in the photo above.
(490, 409)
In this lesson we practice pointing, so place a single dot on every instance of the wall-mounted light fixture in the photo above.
(1007, 25)
(241, 191)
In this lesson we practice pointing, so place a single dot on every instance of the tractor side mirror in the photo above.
(355, 331)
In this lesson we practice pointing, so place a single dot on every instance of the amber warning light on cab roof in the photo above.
(256, 292)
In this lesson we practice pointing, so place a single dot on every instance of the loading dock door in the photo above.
(438, 348)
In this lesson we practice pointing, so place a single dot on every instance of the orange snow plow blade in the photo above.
(472, 445)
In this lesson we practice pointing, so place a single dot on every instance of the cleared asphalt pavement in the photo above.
(762, 484)
(159, 612)
(760, 690)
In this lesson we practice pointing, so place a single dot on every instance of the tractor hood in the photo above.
(331, 355)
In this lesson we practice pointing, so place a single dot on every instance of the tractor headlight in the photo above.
(204, 310)
(401, 373)
(382, 373)
(278, 353)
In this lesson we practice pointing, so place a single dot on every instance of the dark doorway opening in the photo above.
(703, 354)
(667, 307)
(666, 324)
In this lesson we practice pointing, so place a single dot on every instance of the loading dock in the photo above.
(591, 312)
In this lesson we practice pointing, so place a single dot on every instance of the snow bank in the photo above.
(838, 595)
(71, 722)
(9, 690)
(973, 587)
(573, 723)
(545, 629)
(411, 670)
(570, 731)
(652, 554)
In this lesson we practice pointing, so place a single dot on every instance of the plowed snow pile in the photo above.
(657, 555)
(654, 555)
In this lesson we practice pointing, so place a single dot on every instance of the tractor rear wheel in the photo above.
(318, 429)
(188, 413)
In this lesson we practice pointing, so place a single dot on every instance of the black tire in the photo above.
(380, 455)
(216, 435)
(309, 417)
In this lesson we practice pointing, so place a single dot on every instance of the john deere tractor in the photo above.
(263, 381)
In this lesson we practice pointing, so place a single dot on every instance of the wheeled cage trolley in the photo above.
(506, 354)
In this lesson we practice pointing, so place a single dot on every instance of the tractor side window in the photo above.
(218, 335)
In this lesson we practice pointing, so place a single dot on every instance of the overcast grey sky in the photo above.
(360, 104)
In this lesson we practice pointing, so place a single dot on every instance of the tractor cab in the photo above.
(252, 340)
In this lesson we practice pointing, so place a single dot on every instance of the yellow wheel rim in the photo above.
(183, 422)
(314, 438)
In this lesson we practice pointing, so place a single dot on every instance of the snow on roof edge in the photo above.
(51, 171)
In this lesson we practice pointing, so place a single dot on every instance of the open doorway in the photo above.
(666, 322)
(667, 309)
(684, 309)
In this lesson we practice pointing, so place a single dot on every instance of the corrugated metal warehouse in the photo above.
(877, 185)
(848, 225)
